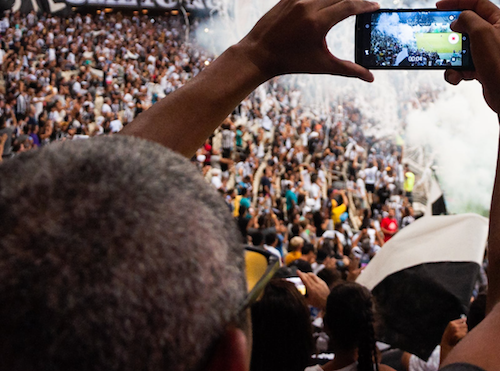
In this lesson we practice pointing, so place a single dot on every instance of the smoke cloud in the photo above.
(389, 24)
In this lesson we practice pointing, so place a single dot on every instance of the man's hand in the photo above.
(483, 26)
(290, 38)
(454, 332)
(317, 290)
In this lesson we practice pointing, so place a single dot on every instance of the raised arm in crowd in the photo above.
(482, 22)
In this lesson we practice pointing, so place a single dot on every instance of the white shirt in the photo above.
(115, 126)
(432, 364)
(4, 24)
(274, 251)
(315, 193)
(71, 58)
(332, 234)
(106, 108)
(216, 182)
(267, 124)
(307, 180)
(371, 175)
(77, 87)
(52, 54)
(372, 233)
(361, 187)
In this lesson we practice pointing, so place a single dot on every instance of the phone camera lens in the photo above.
(367, 25)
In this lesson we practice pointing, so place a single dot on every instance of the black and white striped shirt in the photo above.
(227, 139)
(21, 104)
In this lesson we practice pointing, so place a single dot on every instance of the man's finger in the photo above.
(453, 77)
(306, 279)
(333, 14)
(350, 69)
(486, 9)
(471, 23)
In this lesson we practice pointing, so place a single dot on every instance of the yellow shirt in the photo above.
(409, 181)
(236, 210)
(337, 212)
(291, 256)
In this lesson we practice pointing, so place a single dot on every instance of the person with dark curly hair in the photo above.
(349, 322)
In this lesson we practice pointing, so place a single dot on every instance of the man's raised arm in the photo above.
(290, 38)
(482, 22)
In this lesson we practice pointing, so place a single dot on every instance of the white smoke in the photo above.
(390, 25)
(461, 132)
(457, 129)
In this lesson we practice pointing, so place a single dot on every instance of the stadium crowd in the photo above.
(83, 76)
(308, 187)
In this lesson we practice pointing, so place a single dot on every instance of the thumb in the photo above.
(469, 22)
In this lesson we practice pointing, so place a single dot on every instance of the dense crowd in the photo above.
(308, 187)
(82, 76)
(87, 75)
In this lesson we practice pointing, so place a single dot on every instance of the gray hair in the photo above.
(114, 255)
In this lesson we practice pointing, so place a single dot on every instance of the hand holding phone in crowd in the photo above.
(483, 26)
(290, 38)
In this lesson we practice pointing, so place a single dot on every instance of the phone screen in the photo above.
(408, 39)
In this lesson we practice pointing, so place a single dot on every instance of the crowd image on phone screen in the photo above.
(415, 39)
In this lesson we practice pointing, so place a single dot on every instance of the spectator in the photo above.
(294, 249)
(281, 329)
(389, 225)
(409, 183)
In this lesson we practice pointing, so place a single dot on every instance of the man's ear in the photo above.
(231, 353)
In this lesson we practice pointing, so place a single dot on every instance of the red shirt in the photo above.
(391, 225)
(208, 148)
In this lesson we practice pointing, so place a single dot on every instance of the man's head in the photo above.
(272, 239)
(366, 244)
(114, 255)
(308, 253)
(257, 238)
(296, 244)
(314, 178)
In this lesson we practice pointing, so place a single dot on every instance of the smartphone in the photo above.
(411, 39)
(298, 284)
